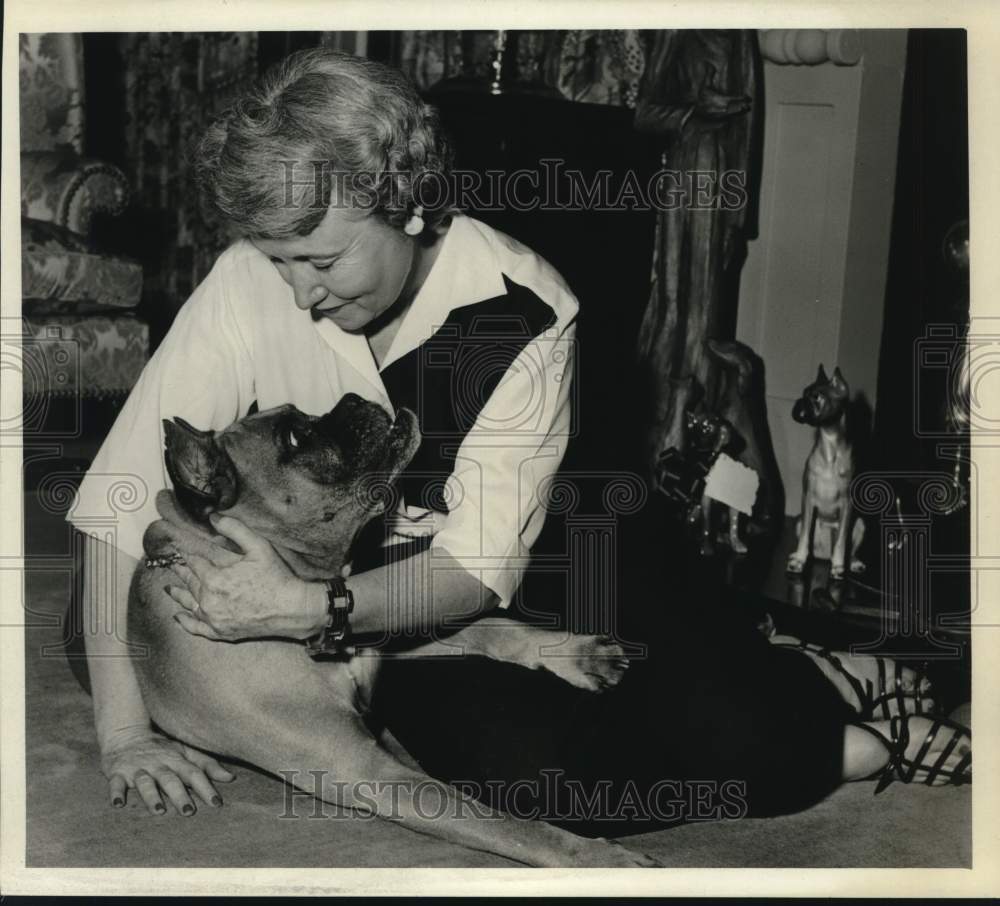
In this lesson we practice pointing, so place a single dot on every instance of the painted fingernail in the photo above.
(187, 810)
(118, 802)
(159, 808)
(216, 801)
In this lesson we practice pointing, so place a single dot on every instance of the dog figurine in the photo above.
(305, 484)
(825, 526)
(708, 435)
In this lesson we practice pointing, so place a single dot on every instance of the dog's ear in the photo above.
(838, 382)
(203, 475)
(821, 377)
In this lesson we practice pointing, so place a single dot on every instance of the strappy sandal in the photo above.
(899, 767)
(874, 705)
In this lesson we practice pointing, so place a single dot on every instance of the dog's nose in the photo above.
(800, 411)
(348, 403)
(342, 420)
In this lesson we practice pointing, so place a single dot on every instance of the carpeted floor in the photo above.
(71, 824)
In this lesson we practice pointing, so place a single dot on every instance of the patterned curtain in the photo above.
(175, 84)
(427, 57)
(598, 67)
(601, 67)
(51, 91)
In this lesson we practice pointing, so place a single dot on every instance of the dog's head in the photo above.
(306, 483)
(824, 401)
(707, 432)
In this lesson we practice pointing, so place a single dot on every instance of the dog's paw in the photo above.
(795, 564)
(592, 662)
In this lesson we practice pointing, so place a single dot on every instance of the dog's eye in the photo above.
(292, 439)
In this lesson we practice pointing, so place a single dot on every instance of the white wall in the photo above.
(813, 286)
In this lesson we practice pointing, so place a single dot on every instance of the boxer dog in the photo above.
(305, 484)
(825, 524)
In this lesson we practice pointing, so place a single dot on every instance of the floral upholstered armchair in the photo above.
(81, 335)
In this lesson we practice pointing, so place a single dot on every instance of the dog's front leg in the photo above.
(334, 758)
(592, 662)
(857, 537)
(839, 556)
(797, 561)
(707, 529)
(735, 541)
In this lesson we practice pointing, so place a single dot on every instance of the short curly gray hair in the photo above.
(321, 126)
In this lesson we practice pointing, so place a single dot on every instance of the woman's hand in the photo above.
(248, 596)
(143, 760)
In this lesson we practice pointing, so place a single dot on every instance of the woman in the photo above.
(350, 279)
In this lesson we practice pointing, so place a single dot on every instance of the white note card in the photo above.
(732, 483)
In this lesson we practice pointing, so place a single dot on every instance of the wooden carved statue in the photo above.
(698, 92)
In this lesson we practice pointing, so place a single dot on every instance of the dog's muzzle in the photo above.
(802, 412)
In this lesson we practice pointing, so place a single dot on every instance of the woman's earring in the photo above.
(415, 225)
